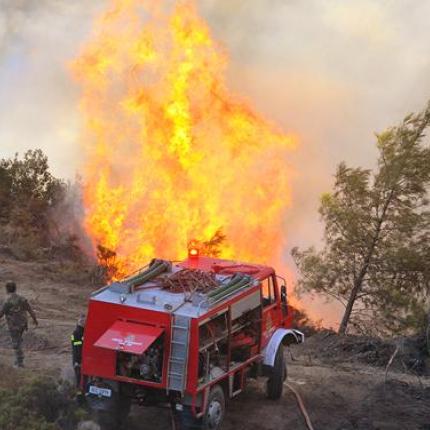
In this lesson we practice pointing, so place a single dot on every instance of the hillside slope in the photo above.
(338, 395)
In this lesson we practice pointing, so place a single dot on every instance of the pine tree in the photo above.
(376, 256)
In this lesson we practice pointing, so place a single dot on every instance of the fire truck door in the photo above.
(271, 314)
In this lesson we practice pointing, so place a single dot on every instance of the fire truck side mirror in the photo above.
(284, 305)
(284, 294)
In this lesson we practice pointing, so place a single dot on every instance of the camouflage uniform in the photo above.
(15, 309)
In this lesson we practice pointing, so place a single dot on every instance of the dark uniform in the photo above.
(15, 309)
(77, 339)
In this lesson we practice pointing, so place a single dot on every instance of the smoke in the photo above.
(38, 103)
(333, 72)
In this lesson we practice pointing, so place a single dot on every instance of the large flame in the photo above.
(170, 153)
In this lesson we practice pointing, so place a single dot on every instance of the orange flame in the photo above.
(170, 153)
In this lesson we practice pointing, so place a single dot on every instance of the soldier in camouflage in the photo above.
(15, 309)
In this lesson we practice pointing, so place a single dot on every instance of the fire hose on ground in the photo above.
(299, 402)
(301, 406)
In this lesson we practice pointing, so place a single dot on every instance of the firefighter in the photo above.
(77, 343)
(15, 309)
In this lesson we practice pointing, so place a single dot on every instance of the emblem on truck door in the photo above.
(128, 341)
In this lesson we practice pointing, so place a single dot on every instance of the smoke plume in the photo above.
(333, 72)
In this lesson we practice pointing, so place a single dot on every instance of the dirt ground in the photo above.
(338, 395)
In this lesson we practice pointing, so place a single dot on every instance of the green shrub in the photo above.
(39, 216)
(40, 404)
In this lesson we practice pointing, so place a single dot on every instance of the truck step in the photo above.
(176, 342)
(180, 327)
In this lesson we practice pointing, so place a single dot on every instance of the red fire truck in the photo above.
(186, 335)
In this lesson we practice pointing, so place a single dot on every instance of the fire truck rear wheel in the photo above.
(212, 420)
(215, 411)
(114, 417)
(275, 383)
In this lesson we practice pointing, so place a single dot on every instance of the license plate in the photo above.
(103, 392)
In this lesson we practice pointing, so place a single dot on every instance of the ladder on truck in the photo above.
(178, 361)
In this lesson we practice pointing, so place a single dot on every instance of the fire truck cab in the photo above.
(187, 336)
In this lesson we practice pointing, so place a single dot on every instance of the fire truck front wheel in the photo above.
(275, 383)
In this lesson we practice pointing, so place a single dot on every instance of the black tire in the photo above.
(107, 420)
(114, 416)
(275, 383)
(185, 420)
(214, 416)
(215, 411)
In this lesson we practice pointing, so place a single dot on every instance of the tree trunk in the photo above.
(351, 301)
(358, 283)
